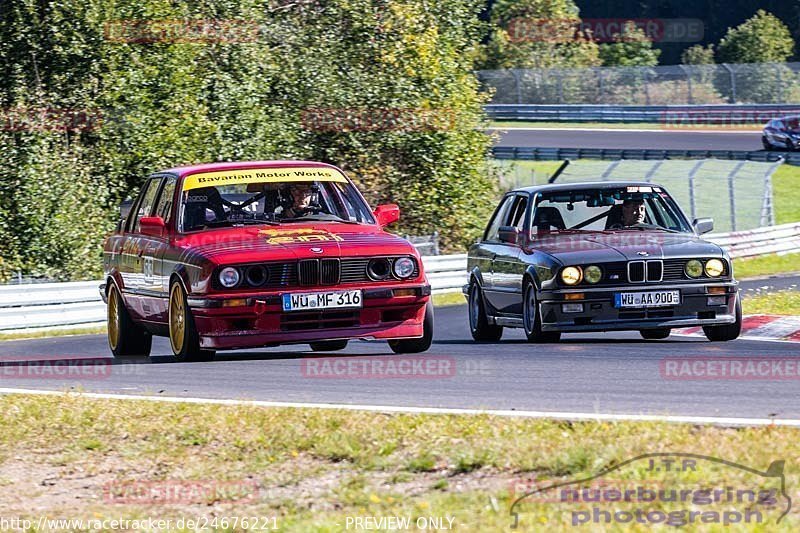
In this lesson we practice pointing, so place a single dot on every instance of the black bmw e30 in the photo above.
(600, 256)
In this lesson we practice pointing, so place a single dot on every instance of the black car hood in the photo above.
(582, 247)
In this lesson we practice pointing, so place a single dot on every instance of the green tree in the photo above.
(761, 39)
(168, 102)
(630, 48)
(698, 55)
(537, 34)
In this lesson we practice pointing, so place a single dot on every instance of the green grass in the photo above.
(786, 194)
(449, 298)
(617, 125)
(766, 265)
(53, 333)
(774, 303)
(311, 469)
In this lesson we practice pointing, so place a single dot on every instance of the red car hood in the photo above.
(577, 247)
(291, 242)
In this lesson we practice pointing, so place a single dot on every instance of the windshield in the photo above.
(270, 196)
(630, 208)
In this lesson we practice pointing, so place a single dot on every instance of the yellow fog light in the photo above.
(694, 268)
(571, 275)
(592, 274)
(574, 296)
(714, 268)
(237, 302)
(404, 292)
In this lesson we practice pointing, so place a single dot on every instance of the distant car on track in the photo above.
(251, 254)
(598, 257)
(782, 134)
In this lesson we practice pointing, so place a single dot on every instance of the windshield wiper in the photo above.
(648, 227)
(315, 218)
(215, 223)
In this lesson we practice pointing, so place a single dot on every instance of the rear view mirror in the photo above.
(509, 234)
(386, 214)
(703, 225)
(153, 226)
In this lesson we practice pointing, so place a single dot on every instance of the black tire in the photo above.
(186, 343)
(328, 346)
(728, 332)
(479, 325)
(417, 345)
(765, 143)
(531, 319)
(789, 145)
(125, 337)
(655, 334)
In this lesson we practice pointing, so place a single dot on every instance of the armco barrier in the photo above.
(532, 153)
(669, 115)
(75, 304)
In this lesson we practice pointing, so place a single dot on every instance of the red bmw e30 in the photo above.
(251, 254)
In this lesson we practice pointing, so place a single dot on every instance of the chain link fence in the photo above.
(737, 194)
(752, 83)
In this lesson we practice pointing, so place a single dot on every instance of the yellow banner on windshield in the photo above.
(262, 175)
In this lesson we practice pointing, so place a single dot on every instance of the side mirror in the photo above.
(509, 234)
(153, 226)
(386, 214)
(703, 225)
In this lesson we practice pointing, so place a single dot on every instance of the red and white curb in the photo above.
(760, 327)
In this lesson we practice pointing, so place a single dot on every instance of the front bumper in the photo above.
(599, 313)
(259, 320)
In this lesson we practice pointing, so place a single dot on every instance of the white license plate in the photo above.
(322, 300)
(647, 299)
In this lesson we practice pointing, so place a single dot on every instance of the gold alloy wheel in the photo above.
(113, 318)
(177, 318)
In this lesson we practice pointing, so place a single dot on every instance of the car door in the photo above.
(137, 272)
(482, 254)
(507, 269)
(157, 268)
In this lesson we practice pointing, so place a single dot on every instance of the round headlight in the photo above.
(378, 268)
(714, 268)
(694, 268)
(592, 274)
(403, 267)
(571, 275)
(229, 277)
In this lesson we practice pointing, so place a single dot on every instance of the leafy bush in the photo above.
(169, 103)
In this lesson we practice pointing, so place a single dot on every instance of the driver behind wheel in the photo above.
(298, 199)
(632, 214)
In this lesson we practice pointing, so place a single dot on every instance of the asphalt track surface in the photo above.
(636, 139)
(613, 373)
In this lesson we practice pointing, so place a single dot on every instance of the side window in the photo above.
(145, 207)
(499, 219)
(164, 204)
(517, 217)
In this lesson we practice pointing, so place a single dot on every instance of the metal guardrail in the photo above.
(760, 241)
(557, 154)
(47, 305)
(672, 116)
